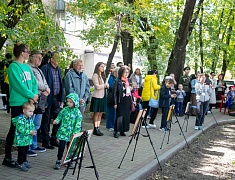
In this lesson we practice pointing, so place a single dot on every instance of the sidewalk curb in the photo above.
(147, 170)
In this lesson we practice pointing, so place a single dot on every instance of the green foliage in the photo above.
(36, 29)
(163, 19)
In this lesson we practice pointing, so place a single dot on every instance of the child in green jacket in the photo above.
(24, 130)
(70, 120)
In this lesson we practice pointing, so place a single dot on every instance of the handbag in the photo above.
(154, 103)
(41, 105)
(132, 107)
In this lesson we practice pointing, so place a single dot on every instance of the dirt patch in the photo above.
(211, 156)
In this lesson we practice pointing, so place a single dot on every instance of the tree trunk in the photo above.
(127, 47)
(152, 44)
(111, 55)
(18, 9)
(177, 58)
(225, 55)
(152, 53)
(201, 42)
(214, 64)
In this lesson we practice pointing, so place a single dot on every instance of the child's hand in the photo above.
(54, 122)
(173, 95)
(32, 133)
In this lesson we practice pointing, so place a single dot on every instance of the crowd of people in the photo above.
(26, 84)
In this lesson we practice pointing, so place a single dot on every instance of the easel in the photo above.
(135, 135)
(81, 149)
(186, 118)
(169, 122)
(214, 117)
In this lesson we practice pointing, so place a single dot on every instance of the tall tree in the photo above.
(16, 10)
(177, 57)
(201, 41)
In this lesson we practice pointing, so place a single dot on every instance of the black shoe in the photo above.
(55, 143)
(122, 134)
(47, 145)
(9, 163)
(115, 134)
(97, 132)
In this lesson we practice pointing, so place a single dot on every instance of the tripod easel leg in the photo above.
(137, 138)
(169, 133)
(137, 131)
(214, 118)
(81, 158)
(177, 120)
(163, 139)
(136, 135)
(92, 160)
(153, 148)
(126, 151)
(79, 152)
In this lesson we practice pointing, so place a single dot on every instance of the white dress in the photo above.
(213, 95)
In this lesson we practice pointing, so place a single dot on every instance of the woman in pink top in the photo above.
(99, 99)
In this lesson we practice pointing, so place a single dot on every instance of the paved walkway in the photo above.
(108, 152)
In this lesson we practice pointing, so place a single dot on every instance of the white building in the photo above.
(79, 47)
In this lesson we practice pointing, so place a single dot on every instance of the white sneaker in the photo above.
(162, 129)
(196, 127)
(146, 127)
(148, 117)
(152, 126)
(209, 112)
(110, 129)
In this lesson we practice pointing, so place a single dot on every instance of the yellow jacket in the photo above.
(150, 79)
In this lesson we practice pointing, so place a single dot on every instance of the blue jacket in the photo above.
(77, 84)
(165, 96)
(46, 69)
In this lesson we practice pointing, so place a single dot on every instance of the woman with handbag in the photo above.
(122, 102)
(150, 97)
(43, 92)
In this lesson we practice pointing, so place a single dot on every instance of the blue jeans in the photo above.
(201, 107)
(37, 118)
(111, 117)
(179, 107)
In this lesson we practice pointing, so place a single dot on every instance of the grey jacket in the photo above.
(203, 92)
(74, 84)
(39, 76)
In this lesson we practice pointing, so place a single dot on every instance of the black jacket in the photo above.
(118, 91)
(46, 69)
(164, 100)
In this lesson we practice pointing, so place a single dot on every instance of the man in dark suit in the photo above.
(55, 100)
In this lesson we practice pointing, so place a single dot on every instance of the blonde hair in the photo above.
(28, 105)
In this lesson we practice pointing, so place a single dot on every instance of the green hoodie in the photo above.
(22, 83)
(70, 119)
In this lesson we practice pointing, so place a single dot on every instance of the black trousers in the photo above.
(53, 110)
(3, 90)
(153, 112)
(165, 111)
(186, 100)
(15, 111)
(61, 149)
(22, 154)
